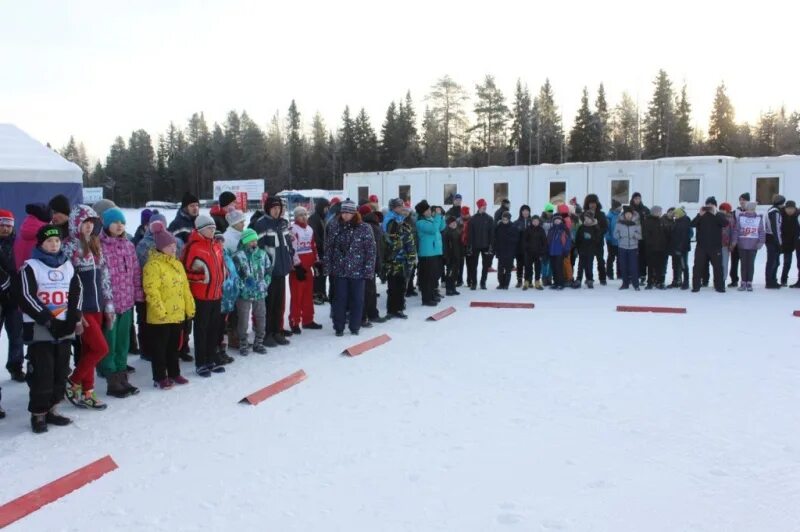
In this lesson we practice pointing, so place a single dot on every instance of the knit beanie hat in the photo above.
(458, 196)
(144, 217)
(234, 217)
(272, 201)
(745, 196)
(157, 219)
(679, 212)
(335, 200)
(348, 207)
(226, 198)
(563, 208)
(102, 206)
(60, 204)
(549, 208)
(113, 215)
(506, 214)
(481, 203)
(778, 200)
(450, 219)
(6, 218)
(725, 206)
(395, 203)
(40, 211)
(373, 198)
(791, 204)
(656, 210)
(161, 236)
(615, 204)
(465, 211)
(203, 221)
(45, 232)
(188, 199)
(751, 206)
(248, 235)
(421, 207)
(363, 210)
(711, 200)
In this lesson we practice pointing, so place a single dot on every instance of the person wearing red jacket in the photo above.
(204, 261)
(301, 279)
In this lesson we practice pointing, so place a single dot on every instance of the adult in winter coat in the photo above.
(301, 279)
(219, 212)
(252, 272)
(728, 237)
(591, 203)
(371, 313)
(789, 235)
(655, 234)
(455, 209)
(183, 224)
(204, 262)
(452, 240)
(126, 289)
(628, 234)
(429, 231)
(480, 244)
(680, 242)
(505, 206)
(49, 292)
(534, 243)
(399, 257)
(274, 237)
(522, 223)
(506, 242)
(640, 212)
(61, 210)
(317, 223)
(170, 304)
(708, 224)
(10, 315)
(749, 238)
(349, 260)
(611, 242)
(588, 240)
(559, 245)
(37, 216)
(773, 227)
(744, 199)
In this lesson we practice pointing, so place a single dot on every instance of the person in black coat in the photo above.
(453, 254)
(588, 240)
(183, 224)
(506, 237)
(317, 223)
(789, 234)
(655, 234)
(680, 243)
(505, 206)
(371, 313)
(709, 224)
(592, 204)
(227, 203)
(480, 242)
(534, 242)
(640, 212)
(455, 209)
(522, 223)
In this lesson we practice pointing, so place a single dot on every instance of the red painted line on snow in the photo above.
(489, 304)
(366, 346)
(664, 310)
(796, 313)
(30, 502)
(443, 314)
(275, 388)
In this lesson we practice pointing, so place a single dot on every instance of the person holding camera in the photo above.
(708, 224)
(430, 225)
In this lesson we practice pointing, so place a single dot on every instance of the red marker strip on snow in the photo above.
(664, 310)
(32, 501)
(275, 388)
(366, 346)
(796, 313)
(489, 304)
(443, 314)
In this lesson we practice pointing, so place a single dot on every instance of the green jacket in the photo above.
(253, 267)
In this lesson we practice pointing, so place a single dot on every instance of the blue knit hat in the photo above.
(113, 215)
(145, 216)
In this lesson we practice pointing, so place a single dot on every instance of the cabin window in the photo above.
(450, 190)
(766, 187)
(363, 195)
(621, 190)
(689, 191)
(404, 192)
(500, 192)
(558, 192)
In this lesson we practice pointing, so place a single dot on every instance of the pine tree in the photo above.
(521, 137)
(434, 152)
(492, 113)
(390, 139)
(601, 128)
(766, 134)
(253, 161)
(76, 153)
(625, 130)
(548, 132)
(682, 134)
(347, 144)
(787, 138)
(141, 164)
(581, 141)
(409, 154)
(98, 176)
(659, 122)
(744, 142)
(277, 157)
(294, 142)
(447, 105)
(722, 126)
(116, 171)
(366, 143)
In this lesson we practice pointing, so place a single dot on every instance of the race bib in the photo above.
(749, 226)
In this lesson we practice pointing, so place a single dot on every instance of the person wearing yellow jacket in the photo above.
(169, 304)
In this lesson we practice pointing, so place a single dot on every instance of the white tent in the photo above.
(33, 173)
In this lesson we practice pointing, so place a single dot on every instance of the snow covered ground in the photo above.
(570, 416)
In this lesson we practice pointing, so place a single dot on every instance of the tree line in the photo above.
(455, 129)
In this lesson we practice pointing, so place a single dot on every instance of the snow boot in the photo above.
(313, 326)
(2, 413)
(734, 284)
(216, 368)
(130, 389)
(296, 329)
(203, 371)
(244, 350)
(180, 380)
(89, 400)
(186, 357)
(54, 418)
(589, 284)
(279, 339)
(526, 285)
(519, 283)
(115, 386)
(795, 285)
(17, 375)
(749, 287)
(38, 423)
(624, 286)
(73, 394)
(163, 384)
(269, 341)
(260, 349)
(538, 285)
(742, 288)
(339, 333)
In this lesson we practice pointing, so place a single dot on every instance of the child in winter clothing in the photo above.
(728, 237)
(680, 244)
(559, 245)
(547, 223)
(373, 220)
(656, 236)
(789, 234)
(628, 234)
(10, 315)
(522, 223)
(230, 294)
(97, 304)
(204, 262)
(589, 242)
(126, 289)
(144, 219)
(749, 238)
(253, 273)
(49, 292)
(535, 247)
(506, 239)
(453, 254)
(611, 242)
(399, 257)
(301, 278)
(169, 305)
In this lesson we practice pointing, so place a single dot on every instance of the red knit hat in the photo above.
(335, 200)
(481, 203)
(373, 198)
(6, 218)
(364, 209)
(563, 209)
(465, 211)
(725, 206)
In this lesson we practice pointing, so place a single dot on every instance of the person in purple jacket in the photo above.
(749, 237)
(350, 261)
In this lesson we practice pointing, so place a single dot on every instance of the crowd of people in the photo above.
(72, 278)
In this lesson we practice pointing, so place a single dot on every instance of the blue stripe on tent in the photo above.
(14, 196)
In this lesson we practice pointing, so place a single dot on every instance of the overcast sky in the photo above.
(98, 69)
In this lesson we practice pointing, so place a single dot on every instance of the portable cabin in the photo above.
(688, 181)
(360, 186)
(557, 183)
(409, 185)
(445, 183)
(496, 183)
(619, 180)
(763, 177)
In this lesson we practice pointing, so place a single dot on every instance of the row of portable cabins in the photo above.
(669, 182)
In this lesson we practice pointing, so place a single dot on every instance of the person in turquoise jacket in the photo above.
(429, 231)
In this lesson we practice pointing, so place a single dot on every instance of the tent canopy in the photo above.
(25, 160)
